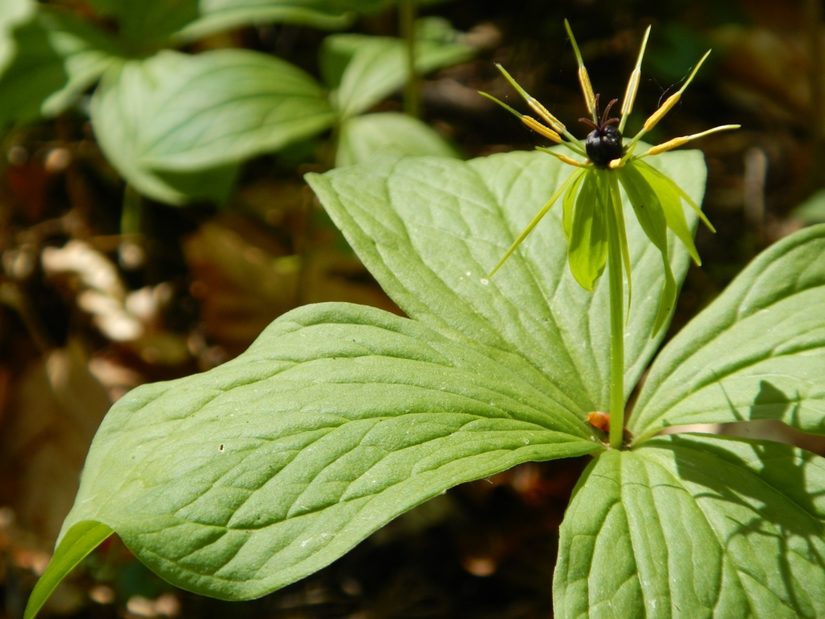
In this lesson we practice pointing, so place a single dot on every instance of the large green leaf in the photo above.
(48, 61)
(429, 230)
(695, 526)
(363, 69)
(177, 116)
(757, 352)
(243, 479)
(362, 137)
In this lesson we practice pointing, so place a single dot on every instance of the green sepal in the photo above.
(670, 199)
(588, 234)
(651, 217)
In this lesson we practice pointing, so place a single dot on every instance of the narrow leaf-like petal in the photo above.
(671, 203)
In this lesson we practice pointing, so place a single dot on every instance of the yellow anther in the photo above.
(536, 126)
(633, 83)
(584, 78)
(672, 99)
(656, 116)
(587, 89)
(682, 140)
(545, 114)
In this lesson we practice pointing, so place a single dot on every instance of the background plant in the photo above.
(177, 125)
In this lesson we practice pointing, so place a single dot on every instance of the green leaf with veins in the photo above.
(757, 352)
(243, 479)
(693, 525)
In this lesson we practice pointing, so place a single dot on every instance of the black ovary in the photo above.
(603, 145)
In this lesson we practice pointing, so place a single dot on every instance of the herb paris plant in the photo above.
(240, 480)
(593, 217)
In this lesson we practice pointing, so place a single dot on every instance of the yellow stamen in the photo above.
(673, 99)
(584, 78)
(656, 116)
(534, 103)
(563, 158)
(633, 84)
(536, 126)
(680, 141)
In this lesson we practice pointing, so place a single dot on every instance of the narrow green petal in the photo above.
(587, 254)
(569, 201)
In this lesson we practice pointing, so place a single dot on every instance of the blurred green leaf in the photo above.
(50, 59)
(218, 15)
(176, 116)
(363, 69)
(363, 137)
(812, 210)
(121, 115)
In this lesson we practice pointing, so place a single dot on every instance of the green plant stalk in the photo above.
(616, 304)
(407, 15)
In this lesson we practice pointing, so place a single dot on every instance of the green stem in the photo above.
(615, 275)
(407, 14)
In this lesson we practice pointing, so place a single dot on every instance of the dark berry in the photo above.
(603, 145)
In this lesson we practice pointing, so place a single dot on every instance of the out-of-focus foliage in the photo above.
(176, 125)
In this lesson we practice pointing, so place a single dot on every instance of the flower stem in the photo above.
(407, 14)
(615, 275)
